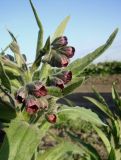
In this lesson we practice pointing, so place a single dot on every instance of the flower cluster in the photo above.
(60, 79)
(33, 97)
(60, 52)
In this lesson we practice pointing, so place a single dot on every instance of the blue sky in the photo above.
(92, 21)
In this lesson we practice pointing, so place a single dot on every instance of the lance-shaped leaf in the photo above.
(112, 155)
(75, 82)
(116, 98)
(21, 140)
(60, 150)
(18, 56)
(11, 71)
(11, 64)
(99, 97)
(103, 138)
(86, 147)
(101, 106)
(80, 64)
(12, 36)
(75, 114)
(4, 78)
(40, 33)
(16, 50)
(42, 52)
(54, 91)
(7, 111)
(61, 28)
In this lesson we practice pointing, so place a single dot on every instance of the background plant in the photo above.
(29, 94)
(111, 135)
(103, 68)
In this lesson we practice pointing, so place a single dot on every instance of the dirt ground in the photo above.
(102, 83)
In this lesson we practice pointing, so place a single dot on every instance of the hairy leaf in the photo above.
(54, 91)
(59, 151)
(7, 111)
(86, 147)
(40, 33)
(61, 28)
(101, 106)
(75, 82)
(80, 64)
(103, 138)
(4, 78)
(78, 113)
(21, 140)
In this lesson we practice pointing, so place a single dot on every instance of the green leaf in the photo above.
(4, 78)
(99, 97)
(40, 33)
(75, 82)
(85, 146)
(41, 53)
(18, 56)
(12, 36)
(80, 64)
(59, 151)
(37, 62)
(7, 111)
(116, 98)
(46, 48)
(61, 28)
(78, 113)
(54, 91)
(39, 43)
(112, 155)
(45, 72)
(103, 138)
(11, 71)
(101, 106)
(11, 64)
(21, 140)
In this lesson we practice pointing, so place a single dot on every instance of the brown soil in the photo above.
(102, 83)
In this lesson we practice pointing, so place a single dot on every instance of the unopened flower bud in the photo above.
(8, 56)
(59, 60)
(37, 89)
(68, 51)
(20, 95)
(51, 118)
(66, 76)
(54, 81)
(32, 104)
(60, 41)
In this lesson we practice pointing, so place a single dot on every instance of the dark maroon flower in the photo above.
(32, 105)
(20, 95)
(60, 41)
(59, 83)
(39, 89)
(66, 76)
(59, 60)
(64, 61)
(56, 82)
(51, 118)
(68, 51)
